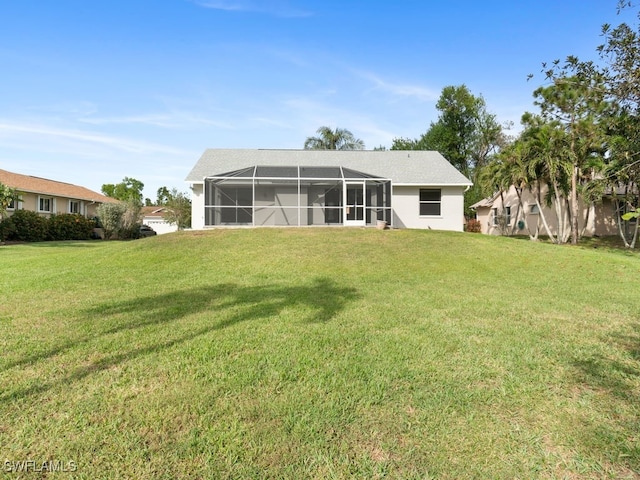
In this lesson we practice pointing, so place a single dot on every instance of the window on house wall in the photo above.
(430, 201)
(45, 204)
(12, 205)
(497, 217)
(74, 206)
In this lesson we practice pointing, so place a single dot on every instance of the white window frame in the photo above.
(495, 216)
(42, 198)
(12, 205)
(71, 203)
(430, 202)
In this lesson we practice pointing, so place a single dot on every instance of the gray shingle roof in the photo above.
(415, 167)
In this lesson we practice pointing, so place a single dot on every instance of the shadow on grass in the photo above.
(616, 376)
(226, 305)
(616, 379)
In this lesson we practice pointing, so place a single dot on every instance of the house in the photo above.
(501, 214)
(404, 189)
(48, 197)
(153, 216)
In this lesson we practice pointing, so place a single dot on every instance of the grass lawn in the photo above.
(320, 353)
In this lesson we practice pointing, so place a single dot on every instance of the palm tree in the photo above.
(327, 139)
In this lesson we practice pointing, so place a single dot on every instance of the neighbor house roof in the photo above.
(411, 167)
(153, 211)
(29, 184)
(486, 202)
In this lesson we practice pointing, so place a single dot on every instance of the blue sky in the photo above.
(96, 90)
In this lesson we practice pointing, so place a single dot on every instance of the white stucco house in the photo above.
(405, 189)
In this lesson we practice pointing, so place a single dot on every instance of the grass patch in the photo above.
(321, 353)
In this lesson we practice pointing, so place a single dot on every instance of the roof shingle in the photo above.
(29, 184)
(412, 167)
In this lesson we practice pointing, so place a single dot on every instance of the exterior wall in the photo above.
(197, 206)
(59, 205)
(406, 209)
(405, 203)
(159, 224)
(601, 217)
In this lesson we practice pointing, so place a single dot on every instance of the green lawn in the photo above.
(320, 353)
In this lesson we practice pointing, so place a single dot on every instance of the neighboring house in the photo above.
(499, 215)
(48, 197)
(404, 189)
(153, 216)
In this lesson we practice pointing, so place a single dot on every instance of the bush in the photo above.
(29, 227)
(473, 226)
(70, 226)
(7, 229)
(120, 220)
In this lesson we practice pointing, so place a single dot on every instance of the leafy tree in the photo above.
(338, 139)
(129, 189)
(7, 196)
(178, 209)
(575, 101)
(163, 196)
(465, 133)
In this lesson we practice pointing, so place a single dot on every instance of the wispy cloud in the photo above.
(174, 120)
(418, 92)
(32, 133)
(277, 8)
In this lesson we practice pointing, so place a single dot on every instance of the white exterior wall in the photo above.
(405, 201)
(197, 206)
(159, 225)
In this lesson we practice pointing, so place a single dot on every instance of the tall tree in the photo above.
(465, 133)
(129, 190)
(338, 139)
(575, 101)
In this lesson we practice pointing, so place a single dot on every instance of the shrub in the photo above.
(70, 226)
(473, 226)
(120, 220)
(29, 226)
(7, 229)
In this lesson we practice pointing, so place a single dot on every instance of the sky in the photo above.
(92, 91)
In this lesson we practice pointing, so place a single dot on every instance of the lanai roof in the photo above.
(410, 167)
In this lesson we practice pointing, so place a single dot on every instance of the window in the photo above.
(45, 204)
(498, 219)
(74, 206)
(430, 201)
(12, 205)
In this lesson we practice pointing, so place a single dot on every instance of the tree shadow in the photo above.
(616, 379)
(226, 305)
(614, 375)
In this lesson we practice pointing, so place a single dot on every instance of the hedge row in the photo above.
(28, 226)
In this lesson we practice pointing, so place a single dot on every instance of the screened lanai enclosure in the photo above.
(296, 196)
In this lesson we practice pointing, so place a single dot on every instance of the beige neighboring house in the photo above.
(48, 197)
(499, 215)
(153, 216)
